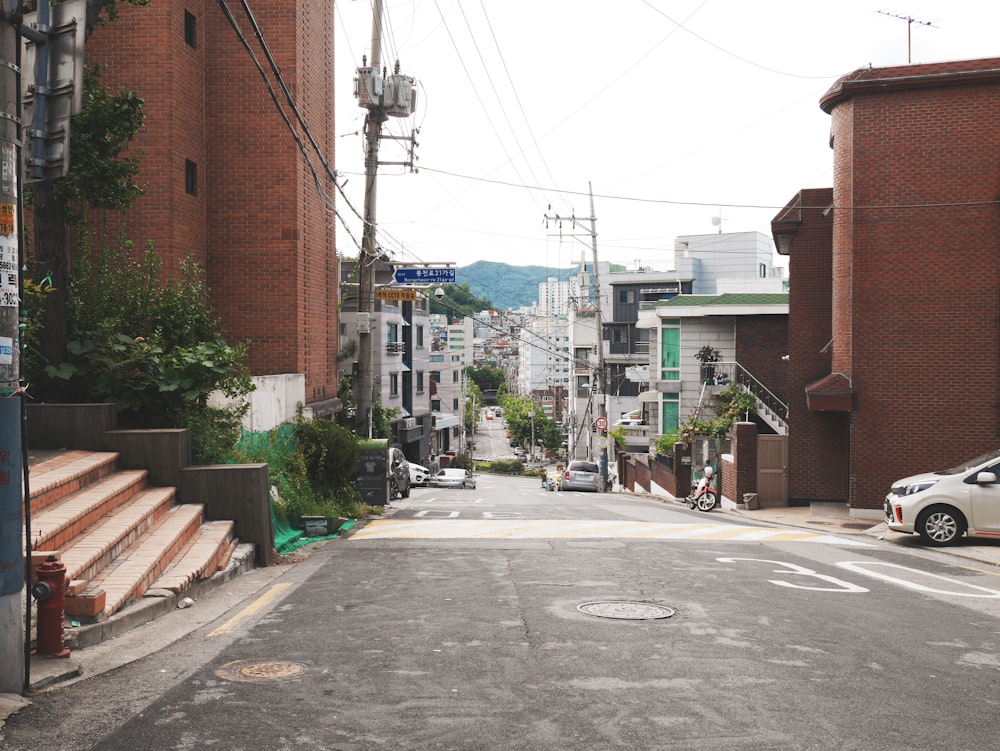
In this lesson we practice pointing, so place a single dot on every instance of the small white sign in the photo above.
(6, 350)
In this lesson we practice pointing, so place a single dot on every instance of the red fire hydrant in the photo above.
(50, 591)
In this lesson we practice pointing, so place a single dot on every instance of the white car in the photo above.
(419, 475)
(942, 506)
(453, 478)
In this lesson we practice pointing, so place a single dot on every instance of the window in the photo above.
(420, 381)
(437, 358)
(190, 30)
(454, 376)
(435, 405)
(581, 355)
(670, 350)
(454, 404)
(190, 177)
(392, 333)
(763, 271)
(456, 358)
(394, 384)
(436, 376)
(671, 412)
(420, 336)
(626, 296)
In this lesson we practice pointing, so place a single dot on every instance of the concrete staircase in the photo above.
(120, 539)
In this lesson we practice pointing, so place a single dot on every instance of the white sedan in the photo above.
(453, 478)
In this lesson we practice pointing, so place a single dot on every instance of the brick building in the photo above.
(225, 181)
(894, 332)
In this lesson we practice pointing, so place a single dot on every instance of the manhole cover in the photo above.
(245, 670)
(629, 610)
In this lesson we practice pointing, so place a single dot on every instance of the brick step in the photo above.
(65, 473)
(128, 577)
(99, 545)
(208, 551)
(58, 525)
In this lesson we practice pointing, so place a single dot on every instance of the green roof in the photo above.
(732, 298)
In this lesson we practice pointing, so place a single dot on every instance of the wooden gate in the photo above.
(772, 466)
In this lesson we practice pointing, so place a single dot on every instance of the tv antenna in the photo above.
(910, 20)
(718, 220)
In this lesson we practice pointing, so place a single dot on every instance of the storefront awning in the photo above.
(444, 420)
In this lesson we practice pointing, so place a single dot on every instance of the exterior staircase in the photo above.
(770, 408)
(120, 539)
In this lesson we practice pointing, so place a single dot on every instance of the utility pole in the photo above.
(384, 97)
(13, 639)
(370, 90)
(599, 379)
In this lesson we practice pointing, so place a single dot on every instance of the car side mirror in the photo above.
(986, 478)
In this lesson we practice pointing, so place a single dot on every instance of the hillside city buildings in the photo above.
(870, 303)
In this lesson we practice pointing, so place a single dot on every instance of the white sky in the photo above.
(522, 103)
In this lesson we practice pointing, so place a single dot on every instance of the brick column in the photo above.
(744, 474)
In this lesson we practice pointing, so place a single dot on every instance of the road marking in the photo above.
(265, 599)
(526, 529)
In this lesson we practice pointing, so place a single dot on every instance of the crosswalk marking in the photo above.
(551, 529)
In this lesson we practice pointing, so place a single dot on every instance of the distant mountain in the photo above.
(507, 286)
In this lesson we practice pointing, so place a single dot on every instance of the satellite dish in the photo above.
(716, 221)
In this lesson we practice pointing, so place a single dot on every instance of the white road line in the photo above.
(526, 529)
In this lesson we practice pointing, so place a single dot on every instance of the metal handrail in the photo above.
(733, 372)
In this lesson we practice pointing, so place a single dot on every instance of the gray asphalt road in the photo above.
(435, 639)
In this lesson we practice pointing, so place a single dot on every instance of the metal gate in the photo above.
(772, 465)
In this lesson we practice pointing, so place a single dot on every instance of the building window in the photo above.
(454, 404)
(456, 358)
(436, 376)
(420, 336)
(454, 376)
(763, 271)
(670, 350)
(190, 177)
(626, 296)
(394, 384)
(671, 412)
(420, 381)
(190, 30)
(392, 333)
(581, 355)
(437, 358)
(435, 405)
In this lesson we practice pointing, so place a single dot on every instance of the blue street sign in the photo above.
(426, 276)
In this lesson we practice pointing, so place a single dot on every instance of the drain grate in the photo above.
(246, 670)
(626, 610)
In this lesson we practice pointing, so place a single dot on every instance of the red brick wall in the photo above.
(258, 225)
(761, 342)
(819, 442)
(916, 235)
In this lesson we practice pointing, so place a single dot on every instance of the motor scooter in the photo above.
(704, 496)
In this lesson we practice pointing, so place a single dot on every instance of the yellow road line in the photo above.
(264, 600)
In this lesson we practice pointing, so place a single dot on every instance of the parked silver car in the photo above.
(581, 476)
(453, 478)
(942, 506)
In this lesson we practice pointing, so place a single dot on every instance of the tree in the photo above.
(459, 300)
(486, 378)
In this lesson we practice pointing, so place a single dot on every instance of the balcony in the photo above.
(395, 348)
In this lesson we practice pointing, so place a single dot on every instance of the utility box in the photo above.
(373, 472)
(400, 98)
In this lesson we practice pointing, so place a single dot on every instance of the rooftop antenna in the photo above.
(717, 221)
(910, 20)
